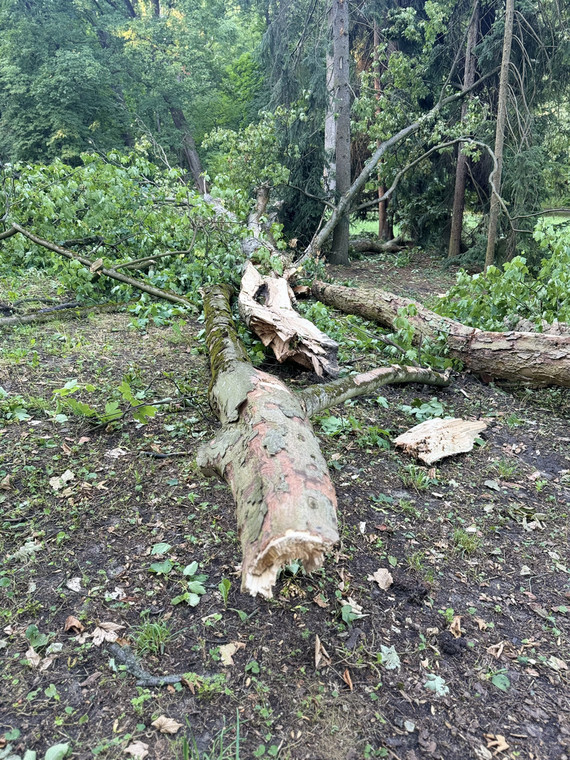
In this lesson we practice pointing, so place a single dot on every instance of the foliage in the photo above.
(121, 208)
(498, 299)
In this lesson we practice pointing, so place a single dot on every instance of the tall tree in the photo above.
(341, 74)
(500, 132)
(461, 168)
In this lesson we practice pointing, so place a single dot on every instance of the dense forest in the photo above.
(221, 226)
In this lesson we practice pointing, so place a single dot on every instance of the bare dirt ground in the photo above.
(465, 655)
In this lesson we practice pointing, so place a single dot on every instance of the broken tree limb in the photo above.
(317, 398)
(437, 439)
(101, 270)
(536, 358)
(48, 315)
(268, 454)
(369, 245)
(265, 306)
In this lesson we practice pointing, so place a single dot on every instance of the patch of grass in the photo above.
(413, 476)
(152, 636)
(505, 469)
(466, 543)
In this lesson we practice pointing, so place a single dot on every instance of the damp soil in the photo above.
(465, 655)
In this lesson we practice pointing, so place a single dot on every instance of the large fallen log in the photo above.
(371, 245)
(538, 359)
(268, 454)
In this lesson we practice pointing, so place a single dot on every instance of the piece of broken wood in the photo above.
(436, 439)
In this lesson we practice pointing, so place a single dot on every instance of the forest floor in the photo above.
(465, 655)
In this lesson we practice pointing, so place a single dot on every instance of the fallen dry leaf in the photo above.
(496, 742)
(106, 632)
(116, 453)
(33, 658)
(455, 627)
(58, 481)
(496, 650)
(556, 663)
(322, 657)
(137, 749)
(320, 602)
(347, 679)
(5, 483)
(481, 623)
(227, 652)
(383, 578)
(46, 662)
(166, 725)
(90, 680)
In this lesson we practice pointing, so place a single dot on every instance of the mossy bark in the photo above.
(268, 454)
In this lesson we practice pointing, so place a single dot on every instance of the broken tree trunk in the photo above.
(268, 454)
(536, 358)
(368, 245)
(265, 306)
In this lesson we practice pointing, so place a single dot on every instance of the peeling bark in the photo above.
(535, 358)
(268, 454)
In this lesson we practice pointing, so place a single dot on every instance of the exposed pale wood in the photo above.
(535, 358)
(436, 439)
(266, 308)
(268, 454)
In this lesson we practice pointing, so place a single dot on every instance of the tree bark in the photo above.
(500, 133)
(461, 168)
(188, 147)
(269, 456)
(341, 70)
(535, 358)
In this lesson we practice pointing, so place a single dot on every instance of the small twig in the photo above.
(124, 655)
(159, 455)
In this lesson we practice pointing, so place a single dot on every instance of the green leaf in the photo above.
(160, 549)
(501, 681)
(57, 752)
(161, 568)
(36, 639)
(436, 684)
(144, 413)
(190, 569)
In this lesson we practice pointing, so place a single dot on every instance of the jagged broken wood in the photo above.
(266, 308)
(535, 358)
(437, 439)
(268, 454)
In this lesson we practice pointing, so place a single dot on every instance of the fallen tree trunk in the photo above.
(537, 358)
(368, 245)
(268, 454)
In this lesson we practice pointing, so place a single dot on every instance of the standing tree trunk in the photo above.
(329, 171)
(188, 147)
(378, 91)
(341, 70)
(500, 133)
(461, 169)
